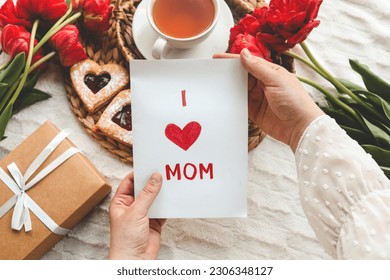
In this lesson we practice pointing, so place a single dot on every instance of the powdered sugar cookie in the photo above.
(96, 85)
(115, 122)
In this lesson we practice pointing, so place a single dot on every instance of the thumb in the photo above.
(260, 68)
(125, 193)
(149, 193)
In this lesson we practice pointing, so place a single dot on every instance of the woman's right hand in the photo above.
(278, 103)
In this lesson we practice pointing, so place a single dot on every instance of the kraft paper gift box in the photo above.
(66, 194)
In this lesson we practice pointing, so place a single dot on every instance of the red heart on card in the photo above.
(184, 138)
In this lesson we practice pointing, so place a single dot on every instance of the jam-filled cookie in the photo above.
(115, 122)
(96, 85)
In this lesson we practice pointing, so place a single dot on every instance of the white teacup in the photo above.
(166, 42)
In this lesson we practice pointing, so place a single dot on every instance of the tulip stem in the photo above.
(306, 62)
(334, 100)
(340, 86)
(16, 83)
(22, 79)
(8, 95)
(19, 84)
(41, 61)
(28, 63)
(55, 30)
(68, 12)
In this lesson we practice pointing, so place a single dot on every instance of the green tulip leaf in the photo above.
(386, 170)
(3, 90)
(367, 115)
(27, 98)
(14, 69)
(331, 103)
(349, 85)
(380, 134)
(31, 80)
(378, 102)
(348, 100)
(378, 130)
(341, 117)
(381, 156)
(4, 118)
(372, 82)
(360, 136)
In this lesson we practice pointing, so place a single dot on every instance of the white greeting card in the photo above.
(190, 123)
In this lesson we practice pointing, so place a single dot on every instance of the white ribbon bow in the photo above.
(19, 186)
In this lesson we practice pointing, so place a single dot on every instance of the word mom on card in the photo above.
(184, 139)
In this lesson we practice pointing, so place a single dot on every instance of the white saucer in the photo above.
(217, 42)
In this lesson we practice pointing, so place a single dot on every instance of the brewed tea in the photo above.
(183, 18)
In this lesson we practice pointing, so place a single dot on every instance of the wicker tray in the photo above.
(117, 46)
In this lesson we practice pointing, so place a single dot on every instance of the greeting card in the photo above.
(190, 123)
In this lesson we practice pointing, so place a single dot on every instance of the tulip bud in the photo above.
(48, 10)
(8, 16)
(16, 39)
(97, 14)
(249, 42)
(66, 42)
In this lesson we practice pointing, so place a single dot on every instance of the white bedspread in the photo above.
(276, 227)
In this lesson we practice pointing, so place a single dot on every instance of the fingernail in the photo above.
(246, 53)
(155, 179)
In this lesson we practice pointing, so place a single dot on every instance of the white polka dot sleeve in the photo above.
(344, 193)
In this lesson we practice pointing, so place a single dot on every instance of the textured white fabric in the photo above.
(276, 227)
(345, 194)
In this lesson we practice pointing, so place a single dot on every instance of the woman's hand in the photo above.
(133, 234)
(278, 103)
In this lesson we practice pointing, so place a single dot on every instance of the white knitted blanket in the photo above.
(276, 227)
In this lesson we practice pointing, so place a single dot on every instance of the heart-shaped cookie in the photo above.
(184, 138)
(95, 84)
(115, 122)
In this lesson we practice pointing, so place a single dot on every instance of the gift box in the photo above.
(40, 208)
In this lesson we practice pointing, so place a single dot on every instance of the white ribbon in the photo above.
(19, 186)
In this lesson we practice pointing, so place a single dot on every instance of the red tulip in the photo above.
(247, 25)
(8, 16)
(289, 23)
(249, 42)
(96, 14)
(48, 10)
(66, 42)
(281, 26)
(16, 39)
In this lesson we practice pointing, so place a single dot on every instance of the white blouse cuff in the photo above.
(344, 193)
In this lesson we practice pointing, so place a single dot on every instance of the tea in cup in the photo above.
(181, 24)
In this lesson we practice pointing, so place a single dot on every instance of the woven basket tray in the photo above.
(117, 46)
